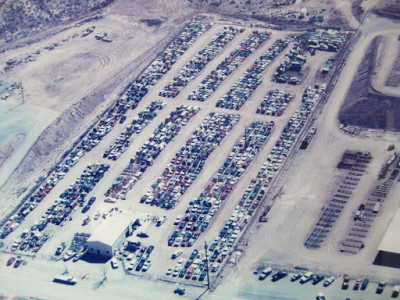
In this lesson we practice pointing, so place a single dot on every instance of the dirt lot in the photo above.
(89, 80)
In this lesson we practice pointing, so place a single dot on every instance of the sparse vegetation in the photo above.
(20, 18)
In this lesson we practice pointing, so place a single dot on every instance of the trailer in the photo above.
(65, 279)
(377, 207)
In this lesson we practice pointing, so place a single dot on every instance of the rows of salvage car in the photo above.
(222, 245)
(136, 257)
(228, 65)
(189, 160)
(129, 100)
(197, 63)
(143, 119)
(139, 89)
(33, 239)
(150, 150)
(201, 210)
(195, 267)
(251, 79)
(275, 102)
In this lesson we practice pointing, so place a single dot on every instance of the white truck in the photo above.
(306, 277)
(265, 273)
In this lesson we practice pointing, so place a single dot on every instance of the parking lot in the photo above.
(195, 171)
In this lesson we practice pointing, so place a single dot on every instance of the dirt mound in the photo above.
(365, 107)
(389, 8)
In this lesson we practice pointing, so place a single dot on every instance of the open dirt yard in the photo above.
(68, 89)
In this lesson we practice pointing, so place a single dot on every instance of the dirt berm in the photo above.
(366, 107)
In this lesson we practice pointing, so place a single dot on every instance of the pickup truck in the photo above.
(306, 277)
(265, 273)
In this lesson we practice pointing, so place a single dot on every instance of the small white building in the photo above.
(109, 236)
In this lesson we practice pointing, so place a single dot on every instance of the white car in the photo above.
(169, 271)
(114, 263)
(329, 281)
(131, 266)
(146, 266)
(321, 296)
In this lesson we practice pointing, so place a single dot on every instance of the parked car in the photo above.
(179, 291)
(264, 273)
(345, 283)
(18, 262)
(279, 275)
(396, 290)
(329, 281)
(381, 287)
(306, 277)
(114, 263)
(295, 277)
(146, 266)
(357, 284)
(10, 261)
(364, 284)
(142, 234)
(317, 278)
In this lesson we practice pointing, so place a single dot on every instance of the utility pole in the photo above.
(208, 275)
(22, 92)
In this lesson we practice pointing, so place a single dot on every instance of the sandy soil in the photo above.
(8, 148)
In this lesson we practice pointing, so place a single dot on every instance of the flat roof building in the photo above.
(110, 236)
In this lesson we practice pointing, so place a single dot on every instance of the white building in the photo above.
(389, 249)
(110, 236)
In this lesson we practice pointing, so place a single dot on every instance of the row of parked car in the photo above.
(30, 240)
(194, 268)
(309, 276)
(189, 160)
(150, 150)
(144, 118)
(139, 88)
(257, 188)
(290, 132)
(60, 210)
(197, 63)
(15, 262)
(201, 210)
(137, 258)
(275, 102)
(251, 79)
(228, 65)
(132, 97)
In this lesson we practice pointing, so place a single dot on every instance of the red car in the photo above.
(10, 261)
